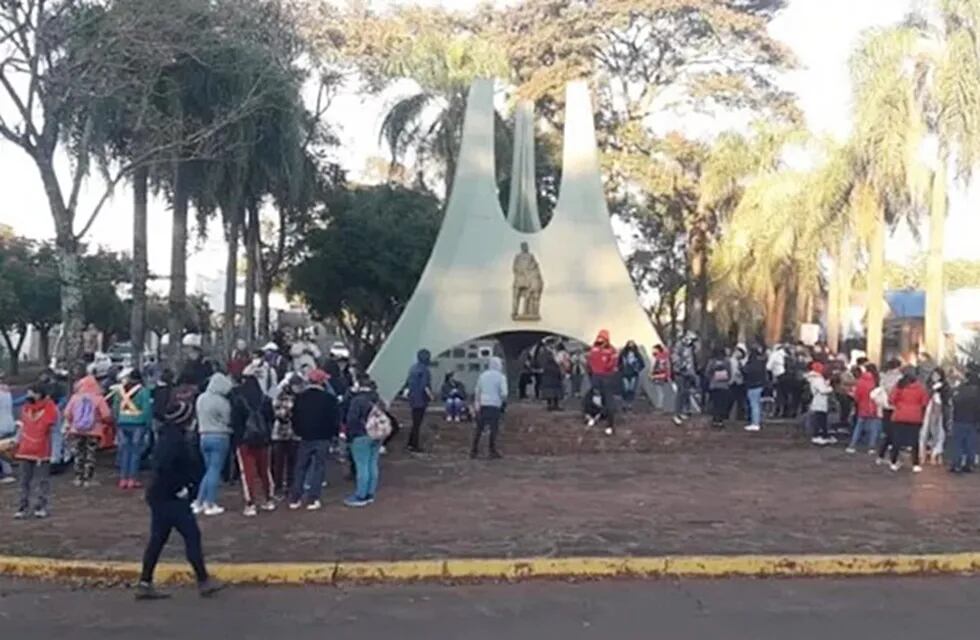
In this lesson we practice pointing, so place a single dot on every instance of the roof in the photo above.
(906, 303)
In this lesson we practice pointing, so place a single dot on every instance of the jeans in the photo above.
(164, 518)
(366, 452)
(682, 401)
(964, 445)
(870, 425)
(28, 469)
(454, 407)
(755, 405)
(214, 450)
(311, 457)
(132, 439)
(629, 388)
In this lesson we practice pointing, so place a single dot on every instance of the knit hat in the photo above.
(318, 376)
(179, 413)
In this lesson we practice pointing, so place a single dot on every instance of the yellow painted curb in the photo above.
(494, 569)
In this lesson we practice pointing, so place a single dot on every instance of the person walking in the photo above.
(868, 407)
(631, 365)
(133, 411)
(214, 426)
(316, 421)
(686, 376)
(820, 391)
(754, 377)
(38, 417)
(966, 421)
(719, 373)
(489, 397)
(909, 400)
(932, 436)
(365, 405)
(87, 417)
(251, 425)
(284, 440)
(603, 361)
(418, 390)
(168, 497)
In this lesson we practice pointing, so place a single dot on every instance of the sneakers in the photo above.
(817, 440)
(917, 468)
(370, 499)
(752, 428)
(316, 505)
(609, 431)
(894, 466)
(122, 484)
(8, 480)
(293, 506)
(197, 508)
(20, 515)
(210, 587)
(872, 452)
(830, 440)
(146, 591)
(879, 462)
(354, 502)
(250, 511)
(40, 513)
(850, 450)
(213, 510)
(590, 422)
(678, 420)
(382, 450)
(269, 506)
(77, 482)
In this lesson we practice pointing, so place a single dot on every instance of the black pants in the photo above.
(164, 518)
(721, 406)
(395, 428)
(739, 400)
(487, 418)
(820, 429)
(898, 436)
(788, 395)
(606, 385)
(418, 415)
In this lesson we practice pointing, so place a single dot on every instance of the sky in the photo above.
(822, 33)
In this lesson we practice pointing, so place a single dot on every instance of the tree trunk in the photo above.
(779, 307)
(845, 275)
(833, 304)
(251, 270)
(265, 313)
(696, 316)
(13, 349)
(231, 280)
(935, 289)
(44, 342)
(808, 308)
(137, 321)
(876, 289)
(178, 264)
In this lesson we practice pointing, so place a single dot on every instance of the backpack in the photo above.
(257, 431)
(378, 424)
(84, 419)
(721, 373)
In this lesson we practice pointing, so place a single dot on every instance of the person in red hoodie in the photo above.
(87, 417)
(908, 401)
(37, 420)
(868, 411)
(603, 363)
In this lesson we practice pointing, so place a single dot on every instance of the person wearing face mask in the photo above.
(37, 420)
(133, 412)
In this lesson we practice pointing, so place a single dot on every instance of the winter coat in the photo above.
(777, 362)
(237, 363)
(361, 405)
(419, 383)
(214, 407)
(719, 373)
(909, 403)
(282, 430)
(491, 386)
(966, 403)
(602, 359)
(37, 420)
(820, 391)
(631, 362)
(551, 377)
(88, 390)
(453, 389)
(866, 406)
(660, 371)
(132, 406)
(249, 399)
(174, 469)
(754, 374)
(316, 415)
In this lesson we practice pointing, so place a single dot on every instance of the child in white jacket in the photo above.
(820, 391)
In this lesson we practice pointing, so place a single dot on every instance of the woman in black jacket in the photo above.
(251, 423)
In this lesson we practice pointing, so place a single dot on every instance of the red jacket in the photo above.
(910, 403)
(866, 407)
(603, 360)
(37, 420)
(660, 370)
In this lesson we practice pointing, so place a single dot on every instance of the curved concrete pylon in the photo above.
(467, 288)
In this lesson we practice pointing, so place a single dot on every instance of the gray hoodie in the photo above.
(491, 386)
(214, 408)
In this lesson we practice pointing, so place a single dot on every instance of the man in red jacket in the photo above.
(603, 363)
(37, 419)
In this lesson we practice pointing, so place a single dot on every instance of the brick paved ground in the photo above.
(562, 491)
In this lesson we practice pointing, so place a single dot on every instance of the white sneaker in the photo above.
(382, 450)
(250, 511)
(678, 420)
(752, 428)
(850, 450)
(590, 422)
(213, 510)
(872, 452)
(894, 466)
(449, 418)
(269, 506)
(609, 431)
(879, 462)
(197, 508)
(293, 506)
(8, 480)
(831, 440)
(917, 469)
(316, 505)
(817, 440)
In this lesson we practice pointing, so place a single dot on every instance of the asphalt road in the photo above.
(686, 610)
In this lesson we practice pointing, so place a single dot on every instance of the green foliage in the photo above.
(363, 265)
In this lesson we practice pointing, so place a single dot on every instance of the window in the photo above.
(486, 352)
(475, 366)
(459, 353)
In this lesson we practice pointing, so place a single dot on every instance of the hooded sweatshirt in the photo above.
(37, 420)
(820, 389)
(133, 405)
(866, 407)
(602, 359)
(316, 415)
(419, 383)
(491, 386)
(214, 407)
(361, 404)
(87, 390)
(966, 403)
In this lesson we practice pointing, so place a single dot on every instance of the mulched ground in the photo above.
(562, 489)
